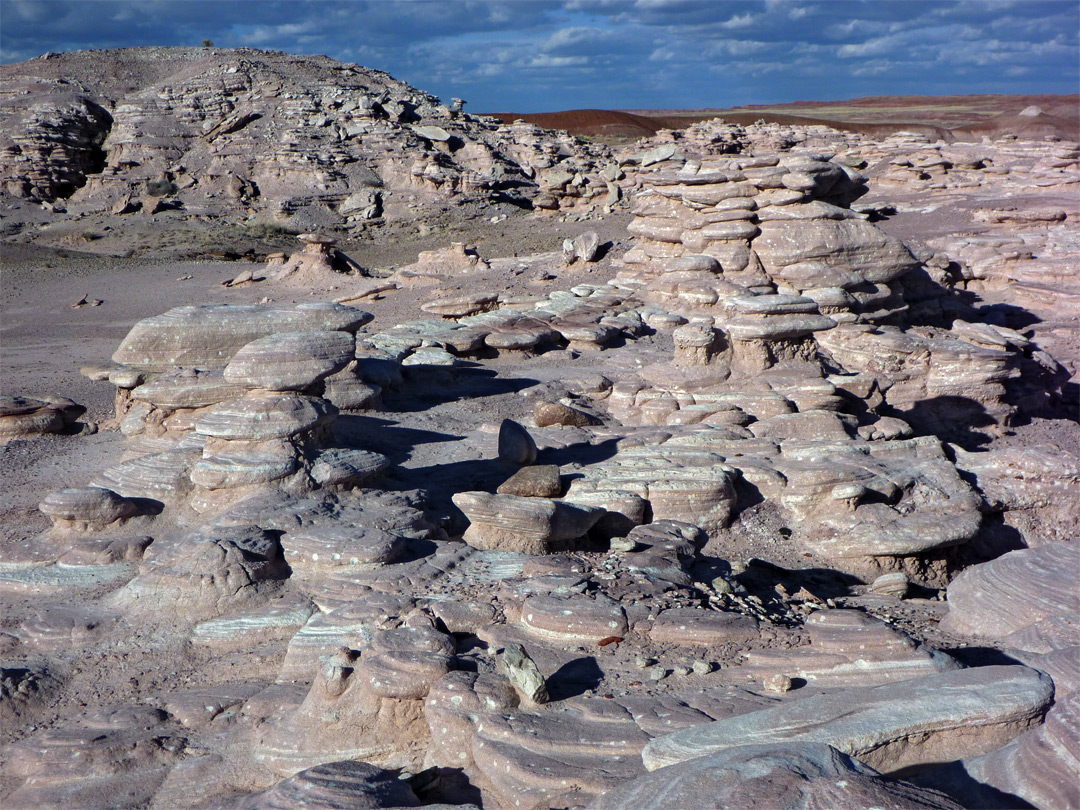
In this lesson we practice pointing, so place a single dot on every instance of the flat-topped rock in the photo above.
(259, 418)
(961, 713)
(325, 548)
(290, 361)
(528, 525)
(189, 388)
(573, 618)
(208, 336)
(850, 648)
(702, 628)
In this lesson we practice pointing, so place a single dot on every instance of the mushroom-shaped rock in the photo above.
(86, 508)
(527, 525)
(208, 336)
(290, 361)
(26, 417)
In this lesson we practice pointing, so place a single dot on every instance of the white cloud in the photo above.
(744, 20)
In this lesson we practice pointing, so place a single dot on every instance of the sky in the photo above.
(546, 55)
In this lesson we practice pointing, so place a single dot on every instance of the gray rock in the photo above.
(290, 361)
(527, 525)
(779, 777)
(523, 673)
(208, 336)
(259, 418)
(948, 715)
(516, 446)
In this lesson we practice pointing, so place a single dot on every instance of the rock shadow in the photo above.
(582, 453)
(950, 418)
(384, 436)
(953, 779)
(574, 678)
(429, 386)
(445, 786)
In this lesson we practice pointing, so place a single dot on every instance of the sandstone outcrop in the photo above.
(730, 506)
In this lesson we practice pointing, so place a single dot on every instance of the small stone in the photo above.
(658, 673)
(554, 413)
(721, 586)
(702, 667)
(778, 683)
(643, 662)
(895, 584)
(523, 673)
(622, 544)
(681, 670)
(537, 481)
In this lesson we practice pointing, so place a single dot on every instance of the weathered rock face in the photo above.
(230, 133)
(967, 710)
(1041, 767)
(1025, 599)
(781, 776)
(723, 511)
(54, 142)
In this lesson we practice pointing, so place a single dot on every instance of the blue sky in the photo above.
(539, 55)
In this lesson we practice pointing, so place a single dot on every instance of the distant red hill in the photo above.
(591, 123)
(945, 117)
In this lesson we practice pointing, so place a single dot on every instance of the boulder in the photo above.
(893, 726)
(527, 525)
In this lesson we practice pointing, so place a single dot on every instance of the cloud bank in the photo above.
(536, 55)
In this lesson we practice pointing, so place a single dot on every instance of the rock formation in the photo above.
(717, 521)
